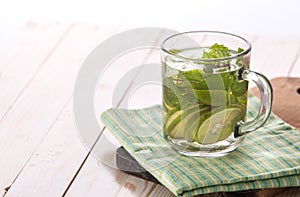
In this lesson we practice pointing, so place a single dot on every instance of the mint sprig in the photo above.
(217, 51)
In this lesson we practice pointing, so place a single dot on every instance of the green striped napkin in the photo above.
(268, 157)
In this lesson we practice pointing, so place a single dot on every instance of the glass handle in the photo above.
(266, 98)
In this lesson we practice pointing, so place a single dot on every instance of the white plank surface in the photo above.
(53, 86)
(138, 187)
(50, 169)
(42, 154)
(295, 69)
(21, 185)
(20, 62)
(274, 56)
(23, 58)
(106, 87)
(96, 179)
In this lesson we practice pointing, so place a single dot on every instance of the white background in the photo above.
(249, 16)
(263, 17)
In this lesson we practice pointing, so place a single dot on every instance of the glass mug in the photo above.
(205, 78)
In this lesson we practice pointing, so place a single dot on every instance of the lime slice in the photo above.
(172, 119)
(187, 127)
(167, 106)
(181, 131)
(219, 125)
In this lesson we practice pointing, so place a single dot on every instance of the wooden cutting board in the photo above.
(286, 105)
(286, 99)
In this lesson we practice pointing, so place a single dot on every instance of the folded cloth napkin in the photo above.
(268, 157)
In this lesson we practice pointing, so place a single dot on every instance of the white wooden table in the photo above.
(41, 152)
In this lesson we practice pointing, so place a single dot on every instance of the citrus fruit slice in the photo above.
(219, 125)
(188, 125)
(184, 126)
(167, 106)
(174, 117)
(172, 120)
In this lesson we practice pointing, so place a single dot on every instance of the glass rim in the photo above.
(247, 50)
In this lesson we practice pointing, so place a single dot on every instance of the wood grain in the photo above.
(19, 63)
(295, 67)
(106, 87)
(54, 156)
(274, 56)
(41, 153)
(24, 57)
(286, 97)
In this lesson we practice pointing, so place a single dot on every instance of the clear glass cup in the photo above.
(205, 78)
